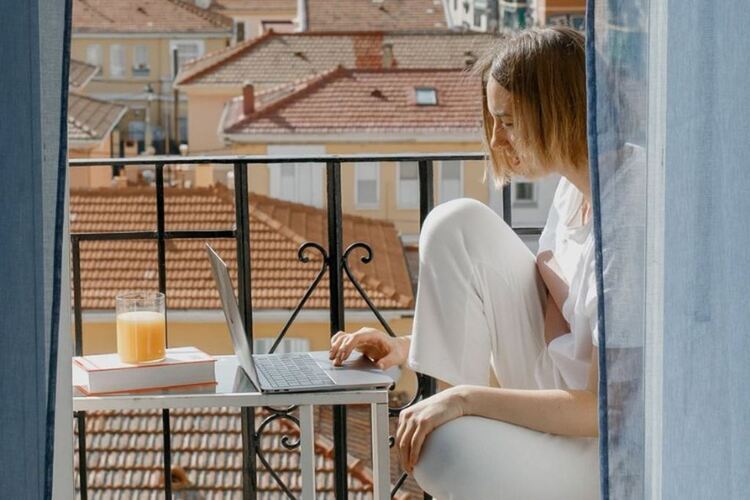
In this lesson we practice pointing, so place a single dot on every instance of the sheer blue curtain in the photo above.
(669, 129)
(34, 50)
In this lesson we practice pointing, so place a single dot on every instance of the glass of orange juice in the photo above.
(140, 327)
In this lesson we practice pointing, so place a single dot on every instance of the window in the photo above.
(116, 61)
(425, 96)
(451, 185)
(94, 57)
(524, 193)
(140, 61)
(297, 182)
(187, 50)
(239, 31)
(408, 184)
(366, 188)
(480, 10)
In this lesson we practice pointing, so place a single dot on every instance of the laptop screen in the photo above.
(232, 313)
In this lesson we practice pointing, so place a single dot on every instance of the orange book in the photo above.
(106, 374)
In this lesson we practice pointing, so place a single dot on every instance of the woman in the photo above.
(484, 302)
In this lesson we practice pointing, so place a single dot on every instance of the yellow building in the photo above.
(139, 47)
(253, 18)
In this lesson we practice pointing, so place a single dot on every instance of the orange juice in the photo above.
(140, 336)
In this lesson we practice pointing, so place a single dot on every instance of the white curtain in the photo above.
(669, 129)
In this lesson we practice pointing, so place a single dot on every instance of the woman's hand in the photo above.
(416, 422)
(384, 350)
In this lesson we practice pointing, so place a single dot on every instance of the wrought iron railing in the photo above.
(335, 263)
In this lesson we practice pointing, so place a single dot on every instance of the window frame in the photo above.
(100, 56)
(112, 49)
(318, 176)
(175, 43)
(434, 91)
(461, 165)
(399, 204)
(357, 202)
(146, 70)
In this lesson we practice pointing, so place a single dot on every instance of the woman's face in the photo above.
(504, 138)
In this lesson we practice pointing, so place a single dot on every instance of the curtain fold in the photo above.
(618, 86)
(34, 58)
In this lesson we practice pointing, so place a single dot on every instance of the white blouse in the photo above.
(572, 244)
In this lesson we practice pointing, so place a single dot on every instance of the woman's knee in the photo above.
(454, 220)
(439, 470)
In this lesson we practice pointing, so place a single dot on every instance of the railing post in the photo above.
(336, 288)
(426, 204)
(242, 235)
(162, 258)
(507, 215)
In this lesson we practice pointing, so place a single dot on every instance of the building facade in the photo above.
(138, 50)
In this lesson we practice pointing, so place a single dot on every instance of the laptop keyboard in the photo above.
(290, 370)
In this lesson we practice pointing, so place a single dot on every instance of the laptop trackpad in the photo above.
(356, 371)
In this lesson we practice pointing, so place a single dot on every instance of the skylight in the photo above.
(425, 96)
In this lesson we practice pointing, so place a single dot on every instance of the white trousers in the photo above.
(480, 305)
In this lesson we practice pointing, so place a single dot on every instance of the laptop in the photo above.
(289, 372)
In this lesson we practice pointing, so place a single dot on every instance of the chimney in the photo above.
(248, 99)
(301, 15)
(387, 55)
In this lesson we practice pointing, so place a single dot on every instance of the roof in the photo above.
(276, 58)
(250, 6)
(91, 120)
(335, 15)
(124, 457)
(277, 229)
(146, 16)
(80, 74)
(351, 101)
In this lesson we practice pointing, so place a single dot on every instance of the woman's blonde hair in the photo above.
(544, 69)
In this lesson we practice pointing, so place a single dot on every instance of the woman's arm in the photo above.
(563, 412)
(556, 411)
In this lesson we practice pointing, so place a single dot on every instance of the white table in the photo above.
(234, 389)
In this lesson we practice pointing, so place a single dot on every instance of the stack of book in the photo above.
(183, 367)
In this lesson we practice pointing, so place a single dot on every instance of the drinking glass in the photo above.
(140, 327)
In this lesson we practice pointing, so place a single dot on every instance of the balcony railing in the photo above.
(334, 263)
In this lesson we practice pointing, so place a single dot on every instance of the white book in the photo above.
(106, 374)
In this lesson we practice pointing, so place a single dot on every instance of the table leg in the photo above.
(381, 470)
(307, 451)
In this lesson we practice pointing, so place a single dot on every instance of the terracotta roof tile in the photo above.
(80, 73)
(146, 16)
(277, 229)
(337, 15)
(274, 59)
(123, 456)
(91, 119)
(367, 101)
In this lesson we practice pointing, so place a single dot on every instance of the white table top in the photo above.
(232, 389)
